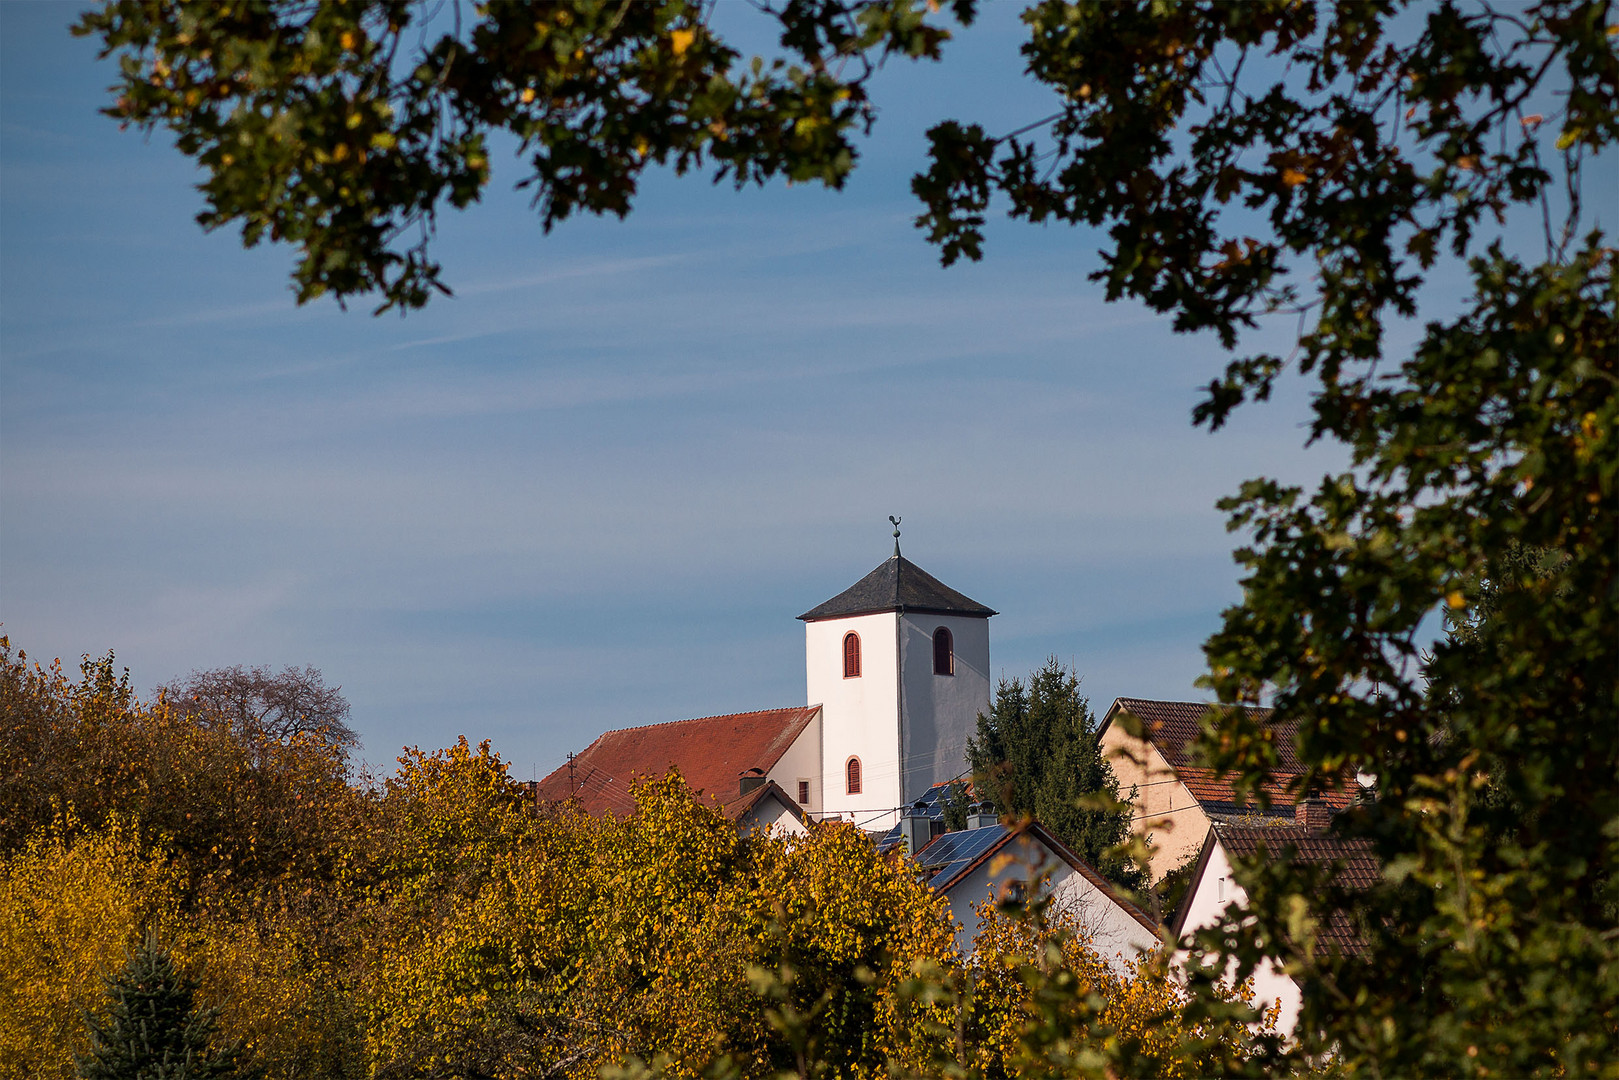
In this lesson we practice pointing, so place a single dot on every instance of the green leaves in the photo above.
(1036, 754)
(343, 128)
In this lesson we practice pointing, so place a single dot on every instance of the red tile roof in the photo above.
(710, 753)
(1171, 726)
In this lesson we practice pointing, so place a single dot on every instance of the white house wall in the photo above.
(940, 712)
(1212, 893)
(768, 813)
(859, 717)
(802, 761)
(1118, 936)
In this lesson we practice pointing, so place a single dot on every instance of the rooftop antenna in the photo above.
(896, 522)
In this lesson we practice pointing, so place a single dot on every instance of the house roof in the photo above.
(955, 855)
(710, 753)
(898, 585)
(768, 790)
(1171, 726)
(1358, 868)
(930, 806)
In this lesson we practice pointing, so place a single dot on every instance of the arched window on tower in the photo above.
(851, 773)
(944, 652)
(851, 655)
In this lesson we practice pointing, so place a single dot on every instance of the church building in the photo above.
(896, 673)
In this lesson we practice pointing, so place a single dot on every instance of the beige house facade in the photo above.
(1175, 800)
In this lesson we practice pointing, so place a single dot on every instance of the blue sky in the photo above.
(595, 488)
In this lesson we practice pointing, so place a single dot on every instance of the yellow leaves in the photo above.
(1455, 600)
(653, 919)
(69, 907)
(347, 40)
(527, 96)
(681, 40)
(1292, 177)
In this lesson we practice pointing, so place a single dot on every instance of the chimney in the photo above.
(916, 828)
(981, 816)
(750, 780)
(1313, 814)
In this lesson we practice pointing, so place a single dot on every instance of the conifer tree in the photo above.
(1037, 754)
(154, 1029)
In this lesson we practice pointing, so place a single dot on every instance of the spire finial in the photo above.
(896, 522)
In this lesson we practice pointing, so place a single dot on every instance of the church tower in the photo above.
(899, 663)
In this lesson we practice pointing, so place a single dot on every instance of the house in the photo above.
(762, 806)
(896, 673)
(988, 860)
(779, 746)
(1176, 801)
(1213, 889)
(991, 862)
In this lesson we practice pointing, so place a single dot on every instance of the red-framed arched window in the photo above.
(851, 775)
(944, 652)
(851, 655)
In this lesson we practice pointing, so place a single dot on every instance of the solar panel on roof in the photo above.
(954, 852)
(930, 806)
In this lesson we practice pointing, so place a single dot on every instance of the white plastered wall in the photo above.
(1212, 893)
(802, 761)
(940, 712)
(859, 717)
(769, 813)
(1117, 935)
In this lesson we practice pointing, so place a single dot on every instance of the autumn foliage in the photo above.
(437, 923)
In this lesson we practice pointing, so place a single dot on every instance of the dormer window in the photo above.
(851, 655)
(944, 652)
(851, 773)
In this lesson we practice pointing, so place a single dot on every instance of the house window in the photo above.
(803, 793)
(944, 653)
(851, 773)
(851, 655)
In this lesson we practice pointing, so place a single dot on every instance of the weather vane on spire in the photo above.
(896, 522)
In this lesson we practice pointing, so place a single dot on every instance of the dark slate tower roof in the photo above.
(898, 585)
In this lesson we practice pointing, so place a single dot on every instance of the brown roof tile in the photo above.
(1171, 726)
(1358, 867)
(710, 753)
(743, 803)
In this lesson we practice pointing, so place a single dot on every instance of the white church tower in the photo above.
(899, 663)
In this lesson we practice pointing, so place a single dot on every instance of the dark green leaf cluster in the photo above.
(1320, 161)
(342, 128)
(153, 1029)
(1225, 146)
(1036, 755)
